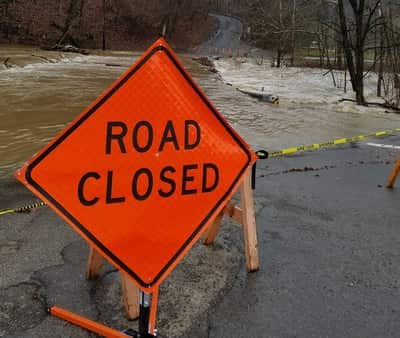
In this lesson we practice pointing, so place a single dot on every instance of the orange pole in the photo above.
(85, 323)
(393, 175)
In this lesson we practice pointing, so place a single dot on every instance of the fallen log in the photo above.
(43, 58)
(67, 49)
(204, 60)
(261, 95)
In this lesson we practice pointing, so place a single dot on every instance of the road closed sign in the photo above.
(142, 172)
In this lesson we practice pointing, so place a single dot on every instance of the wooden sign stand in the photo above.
(130, 292)
(393, 175)
(244, 215)
(142, 305)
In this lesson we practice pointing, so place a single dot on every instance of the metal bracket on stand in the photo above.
(144, 318)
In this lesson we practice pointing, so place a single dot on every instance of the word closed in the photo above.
(163, 181)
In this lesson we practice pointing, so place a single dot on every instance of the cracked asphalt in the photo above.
(43, 261)
(329, 251)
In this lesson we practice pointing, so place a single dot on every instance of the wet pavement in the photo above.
(43, 261)
(329, 249)
(328, 243)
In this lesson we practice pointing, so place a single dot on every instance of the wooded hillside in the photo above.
(108, 24)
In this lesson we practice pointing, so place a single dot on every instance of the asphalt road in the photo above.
(226, 39)
(43, 261)
(328, 242)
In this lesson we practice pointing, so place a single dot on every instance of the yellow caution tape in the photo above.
(22, 209)
(263, 154)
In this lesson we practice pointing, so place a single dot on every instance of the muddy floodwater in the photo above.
(41, 92)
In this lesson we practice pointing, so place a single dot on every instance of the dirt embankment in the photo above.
(111, 24)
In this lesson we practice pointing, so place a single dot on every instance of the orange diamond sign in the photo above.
(144, 169)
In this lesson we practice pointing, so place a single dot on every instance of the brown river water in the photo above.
(43, 91)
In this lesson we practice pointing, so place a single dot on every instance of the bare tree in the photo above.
(358, 18)
(389, 58)
(278, 24)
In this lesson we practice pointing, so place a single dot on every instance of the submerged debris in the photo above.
(7, 63)
(204, 60)
(67, 49)
(207, 62)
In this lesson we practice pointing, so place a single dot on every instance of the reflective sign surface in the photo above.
(144, 169)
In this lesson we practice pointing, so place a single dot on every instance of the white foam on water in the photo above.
(298, 86)
(54, 126)
(71, 61)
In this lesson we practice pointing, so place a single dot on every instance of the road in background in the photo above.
(226, 39)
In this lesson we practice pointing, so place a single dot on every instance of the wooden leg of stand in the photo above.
(393, 175)
(249, 224)
(213, 230)
(95, 261)
(130, 295)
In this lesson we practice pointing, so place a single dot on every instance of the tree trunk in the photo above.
(103, 42)
(293, 37)
(339, 48)
(73, 15)
(346, 44)
(354, 53)
(360, 92)
(381, 60)
(359, 55)
(278, 58)
(279, 54)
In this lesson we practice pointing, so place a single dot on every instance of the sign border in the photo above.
(89, 113)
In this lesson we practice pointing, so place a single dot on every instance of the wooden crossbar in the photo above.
(244, 215)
